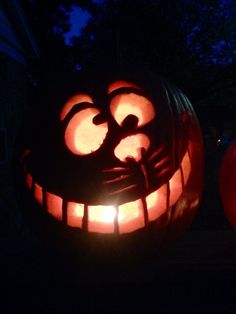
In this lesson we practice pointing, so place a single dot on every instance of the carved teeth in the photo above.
(124, 218)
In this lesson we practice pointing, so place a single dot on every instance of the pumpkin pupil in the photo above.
(123, 105)
(130, 122)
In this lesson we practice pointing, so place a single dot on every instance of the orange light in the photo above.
(186, 167)
(119, 84)
(82, 136)
(131, 146)
(54, 205)
(29, 181)
(38, 193)
(101, 213)
(101, 219)
(129, 211)
(75, 213)
(131, 216)
(176, 187)
(76, 99)
(156, 203)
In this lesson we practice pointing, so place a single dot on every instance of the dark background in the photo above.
(191, 43)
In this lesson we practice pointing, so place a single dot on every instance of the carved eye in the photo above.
(124, 105)
(82, 135)
(76, 99)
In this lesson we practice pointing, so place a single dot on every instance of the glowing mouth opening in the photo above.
(120, 219)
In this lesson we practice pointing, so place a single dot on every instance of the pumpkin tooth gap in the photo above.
(182, 176)
(116, 220)
(85, 218)
(145, 211)
(64, 211)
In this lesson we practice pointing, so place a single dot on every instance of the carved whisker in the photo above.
(117, 179)
(130, 187)
(162, 172)
(162, 162)
(156, 153)
(115, 169)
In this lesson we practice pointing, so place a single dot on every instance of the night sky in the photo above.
(78, 18)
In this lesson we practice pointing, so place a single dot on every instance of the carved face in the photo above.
(117, 160)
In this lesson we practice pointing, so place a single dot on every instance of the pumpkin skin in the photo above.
(119, 158)
(227, 182)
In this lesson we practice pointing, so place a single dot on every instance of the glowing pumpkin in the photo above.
(227, 183)
(116, 157)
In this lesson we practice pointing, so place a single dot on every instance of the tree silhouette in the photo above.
(167, 35)
(188, 41)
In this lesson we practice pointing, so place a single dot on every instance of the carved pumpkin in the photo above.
(117, 157)
(227, 183)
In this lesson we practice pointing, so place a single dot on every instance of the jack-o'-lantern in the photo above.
(227, 183)
(116, 158)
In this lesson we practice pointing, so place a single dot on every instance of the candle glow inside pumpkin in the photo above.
(86, 133)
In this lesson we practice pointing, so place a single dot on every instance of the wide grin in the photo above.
(120, 219)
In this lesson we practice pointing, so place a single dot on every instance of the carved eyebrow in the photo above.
(71, 102)
(121, 84)
(127, 90)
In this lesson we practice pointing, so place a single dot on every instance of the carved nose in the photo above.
(131, 147)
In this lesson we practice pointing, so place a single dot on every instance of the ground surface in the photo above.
(197, 275)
